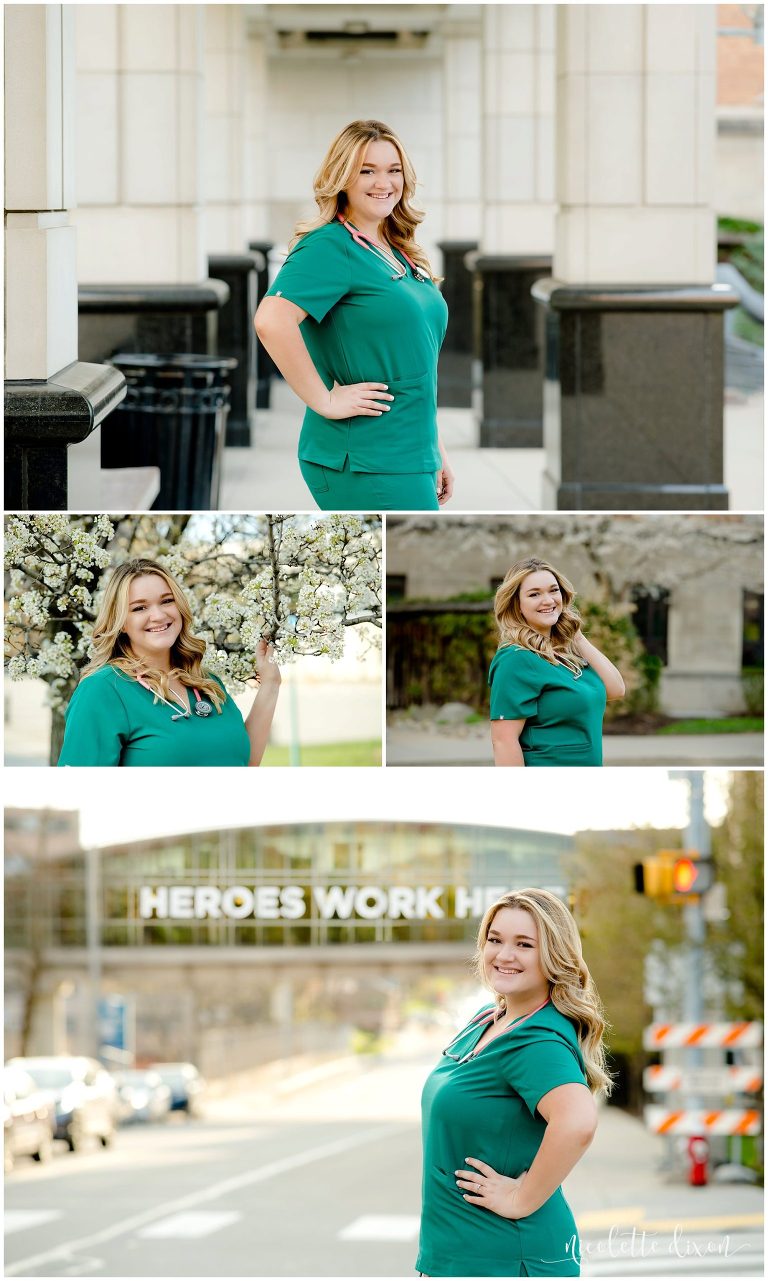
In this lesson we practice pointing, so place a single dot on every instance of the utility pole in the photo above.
(697, 837)
(93, 946)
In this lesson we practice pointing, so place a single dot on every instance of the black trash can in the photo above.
(174, 417)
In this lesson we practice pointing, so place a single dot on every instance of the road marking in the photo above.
(621, 1216)
(18, 1220)
(271, 1171)
(382, 1227)
(722, 1222)
(634, 1217)
(200, 1223)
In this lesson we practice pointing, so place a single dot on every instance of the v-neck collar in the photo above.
(514, 1024)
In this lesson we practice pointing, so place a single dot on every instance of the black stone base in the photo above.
(511, 338)
(42, 419)
(265, 368)
(455, 363)
(633, 497)
(237, 337)
(633, 397)
(143, 318)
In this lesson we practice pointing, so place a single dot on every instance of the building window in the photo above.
(651, 619)
(396, 584)
(754, 630)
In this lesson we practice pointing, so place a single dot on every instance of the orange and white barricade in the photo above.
(674, 1036)
(700, 1121)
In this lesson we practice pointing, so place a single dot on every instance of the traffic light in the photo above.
(674, 875)
(654, 876)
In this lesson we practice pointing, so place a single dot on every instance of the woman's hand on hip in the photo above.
(492, 1191)
(267, 669)
(357, 400)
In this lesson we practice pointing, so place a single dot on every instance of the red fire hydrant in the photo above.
(698, 1151)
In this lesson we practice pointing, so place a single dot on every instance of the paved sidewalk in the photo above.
(422, 747)
(267, 476)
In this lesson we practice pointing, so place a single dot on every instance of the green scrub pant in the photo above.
(370, 491)
(534, 1270)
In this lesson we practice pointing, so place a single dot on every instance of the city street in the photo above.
(323, 1180)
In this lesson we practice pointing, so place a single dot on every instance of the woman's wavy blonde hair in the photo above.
(340, 168)
(558, 647)
(571, 989)
(111, 646)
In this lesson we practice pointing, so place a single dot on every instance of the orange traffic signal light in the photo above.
(674, 875)
(685, 876)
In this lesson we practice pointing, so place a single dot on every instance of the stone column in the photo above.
(518, 216)
(703, 672)
(461, 33)
(225, 64)
(256, 190)
(141, 169)
(52, 399)
(634, 390)
(227, 226)
(140, 134)
(255, 184)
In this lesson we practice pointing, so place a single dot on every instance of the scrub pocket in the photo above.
(315, 477)
(409, 430)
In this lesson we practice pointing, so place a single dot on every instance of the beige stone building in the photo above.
(693, 585)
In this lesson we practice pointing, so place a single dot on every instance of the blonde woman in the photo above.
(355, 322)
(549, 684)
(145, 699)
(509, 1109)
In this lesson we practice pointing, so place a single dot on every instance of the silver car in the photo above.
(85, 1096)
(29, 1118)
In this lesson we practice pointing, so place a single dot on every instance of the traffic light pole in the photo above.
(697, 837)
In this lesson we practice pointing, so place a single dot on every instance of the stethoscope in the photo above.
(180, 710)
(487, 1016)
(365, 242)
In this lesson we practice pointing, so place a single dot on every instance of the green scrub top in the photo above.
(112, 720)
(563, 713)
(485, 1107)
(363, 326)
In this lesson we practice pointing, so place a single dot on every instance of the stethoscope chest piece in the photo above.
(202, 708)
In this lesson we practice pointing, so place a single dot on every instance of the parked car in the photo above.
(85, 1097)
(144, 1096)
(29, 1118)
(186, 1085)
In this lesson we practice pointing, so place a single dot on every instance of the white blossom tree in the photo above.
(297, 581)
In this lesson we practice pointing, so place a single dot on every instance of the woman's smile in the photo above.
(541, 600)
(153, 622)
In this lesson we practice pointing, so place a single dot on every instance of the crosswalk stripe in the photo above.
(18, 1220)
(382, 1227)
(195, 1223)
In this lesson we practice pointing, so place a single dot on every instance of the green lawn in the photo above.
(728, 725)
(365, 753)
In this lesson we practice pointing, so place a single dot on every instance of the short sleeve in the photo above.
(96, 723)
(516, 681)
(535, 1067)
(316, 274)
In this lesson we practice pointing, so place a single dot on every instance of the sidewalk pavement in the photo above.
(625, 1173)
(266, 475)
(405, 746)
